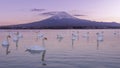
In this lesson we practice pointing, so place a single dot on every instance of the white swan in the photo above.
(6, 44)
(40, 36)
(16, 36)
(99, 36)
(86, 35)
(60, 37)
(19, 35)
(75, 36)
(38, 49)
(15, 39)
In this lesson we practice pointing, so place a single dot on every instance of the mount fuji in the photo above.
(63, 20)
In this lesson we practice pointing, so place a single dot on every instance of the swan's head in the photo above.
(17, 33)
(97, 33)
(45, 38)
(27, 50)
(9, 36)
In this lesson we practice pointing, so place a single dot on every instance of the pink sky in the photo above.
(20, 11)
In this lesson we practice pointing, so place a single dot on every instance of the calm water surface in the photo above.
(83, 53)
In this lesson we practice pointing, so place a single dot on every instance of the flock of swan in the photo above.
(34, 48)
(41, 48)
(15, 37)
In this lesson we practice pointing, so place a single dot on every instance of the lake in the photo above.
(83, 52)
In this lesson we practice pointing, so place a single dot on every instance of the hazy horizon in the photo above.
(23, 11)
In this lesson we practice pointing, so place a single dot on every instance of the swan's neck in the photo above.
(43, 42)
(7, 39)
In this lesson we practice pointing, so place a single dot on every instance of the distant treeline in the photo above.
(60, 27)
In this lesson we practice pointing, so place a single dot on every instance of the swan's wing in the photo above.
(35, 47)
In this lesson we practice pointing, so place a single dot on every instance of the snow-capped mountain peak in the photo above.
(62, 15)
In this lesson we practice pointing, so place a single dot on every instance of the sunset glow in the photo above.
(26, 11)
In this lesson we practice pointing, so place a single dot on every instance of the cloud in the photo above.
(52, 13)
(49, 13)
(78, 15)
(37, 10)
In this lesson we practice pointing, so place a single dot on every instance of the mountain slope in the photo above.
(63, 20)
